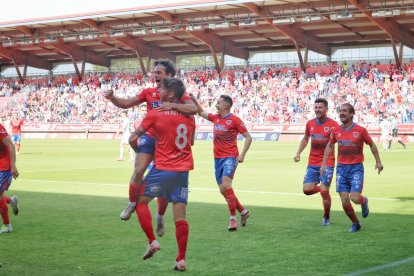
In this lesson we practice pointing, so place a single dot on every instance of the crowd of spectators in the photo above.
(261, 94)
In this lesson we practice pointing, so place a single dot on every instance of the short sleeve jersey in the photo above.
(173, 132)
(151, 96)
(225, 133)
(319, 134)
(4, 151)
(350, 143)
(17, 126)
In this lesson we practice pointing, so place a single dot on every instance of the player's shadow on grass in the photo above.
(64, 234)
(405, 198)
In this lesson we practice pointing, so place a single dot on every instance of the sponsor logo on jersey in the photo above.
(155, 104)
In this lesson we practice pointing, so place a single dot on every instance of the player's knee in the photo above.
(355, 199)
(308, 191)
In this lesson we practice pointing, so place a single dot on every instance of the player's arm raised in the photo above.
(200, 110)
(12, 152)
(119, 102)
(302, 146)
(246, 147)
(329, 148)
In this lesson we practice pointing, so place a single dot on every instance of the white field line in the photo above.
(191, 189)
(382, 267)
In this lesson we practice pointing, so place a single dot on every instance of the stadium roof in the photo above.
(235, 28)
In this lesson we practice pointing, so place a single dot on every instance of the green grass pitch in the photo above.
(72, 191)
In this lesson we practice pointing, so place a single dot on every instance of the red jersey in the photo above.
(151, 96)
(17, 126)
(350, 143)
(225, 132)
(319, 134)
(173, 133)
(4, 151)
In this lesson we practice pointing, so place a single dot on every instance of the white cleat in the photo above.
(6, 228)
(152, 249)
(180, 266)
(160, 226)
(13, 204)
(126, 213)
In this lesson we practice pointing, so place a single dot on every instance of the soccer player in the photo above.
(8, 170)
(385, 127)
(318, 130)
(394, 127)
(16, 124)
(126, 132)
(226, 154)
(350, 169)
(145, 152)
(173, 161)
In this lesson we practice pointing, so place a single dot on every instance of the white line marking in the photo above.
(382, 267)
(191, 189)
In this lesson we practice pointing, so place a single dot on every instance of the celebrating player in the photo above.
(226, 154)
(16, 124)
(8, 170)
(350, 169)
(173, 160)
(145, 152)
(318, 130)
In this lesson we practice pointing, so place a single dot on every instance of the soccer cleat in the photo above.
(180, 266)
(151, 249)
(354, 228)
(160, 226)
(13, 204)
(243, 218)
(325, 222)
(233, 225)
(6, 228)
(126, 213)
(365, 209)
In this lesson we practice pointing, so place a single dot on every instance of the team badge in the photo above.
(228, 122)
(217, 120)
(326, 129)
(154, 95)
(355, 134)
(311, 129)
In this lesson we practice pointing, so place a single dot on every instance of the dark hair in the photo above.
(227, 99)
(350, 107)
(168, 64)
(322, 100)
(176, 85)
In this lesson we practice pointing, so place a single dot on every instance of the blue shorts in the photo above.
(172, 185)
(16, 138)
(5, 180)
(146, 144)
(224, 167)
(313, 175)
(349, 177)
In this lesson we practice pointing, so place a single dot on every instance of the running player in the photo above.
(226, 154)
(8, 170)
(318, 130)
(350, 169)
(16, 124)
(173, 161)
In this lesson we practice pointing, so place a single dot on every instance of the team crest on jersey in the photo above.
(355, 134)
(154, 94)
(228, 122)
(217, 120)
(326, 129)
(311, 129)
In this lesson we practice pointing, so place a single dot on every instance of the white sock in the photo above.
(233, 217)
(244, 212)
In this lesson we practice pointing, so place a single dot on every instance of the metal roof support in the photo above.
(401, 52)
(305, 57)
(302, 64)
(76, 68)
(395, 51)
(223, 54)
(216, 62)
(149, 59)
(31, 60)
(141, 63)
(16, 66)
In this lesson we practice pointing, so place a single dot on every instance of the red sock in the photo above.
(315, 190)
(239, 207)
(7, 199)
(326, 201)
(162, 205)
(4, 211)
(361, 199)
(145, 219)
(349, 211)
(231, 201)
(134, 191)
(18, 147)
(181, 234)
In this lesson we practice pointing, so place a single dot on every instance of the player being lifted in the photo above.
(145, 151)
(169, 176)
(350, 169)
(226, 154)
(318, 130)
